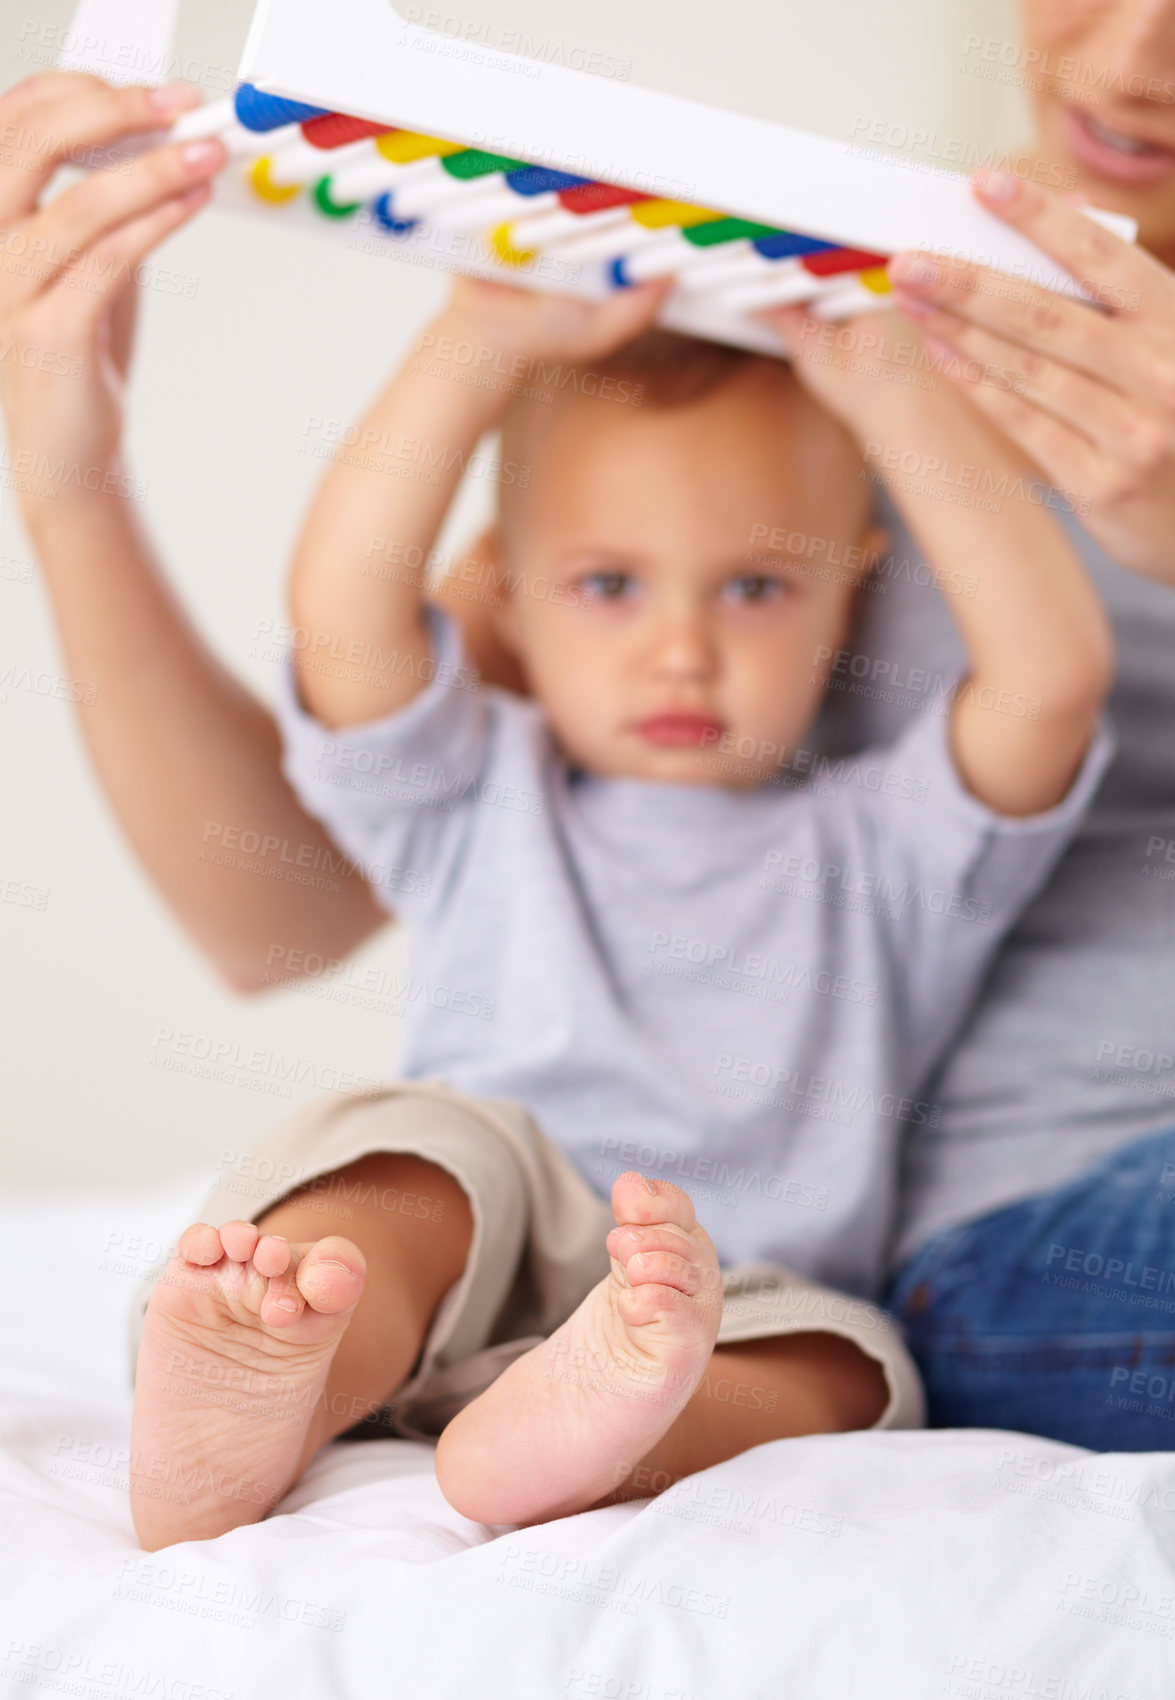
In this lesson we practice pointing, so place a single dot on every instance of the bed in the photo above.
(978, 1564)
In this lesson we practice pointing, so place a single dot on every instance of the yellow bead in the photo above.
(877, 279)
(502, 248)
(403, 147)
(657, 215)
(266, 189)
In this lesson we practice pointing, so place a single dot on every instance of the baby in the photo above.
(642, 940)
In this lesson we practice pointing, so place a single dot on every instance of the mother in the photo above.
(1036, 1272)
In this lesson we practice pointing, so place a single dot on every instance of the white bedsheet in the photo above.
(844, 1568)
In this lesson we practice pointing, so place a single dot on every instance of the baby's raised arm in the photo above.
(1039, 645)
(361, 647)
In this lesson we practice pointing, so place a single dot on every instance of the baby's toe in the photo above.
(632, 1201)
(200, 1244)
(271, 1255)
(666, 1268)
(659, 1252)
(281, 1303)
(661, 1302)
(330, 1277)
(239, 1240)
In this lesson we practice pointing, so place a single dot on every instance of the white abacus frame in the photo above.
(361, 57)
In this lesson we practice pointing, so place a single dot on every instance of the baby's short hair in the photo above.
(659, 370)
(673, 370)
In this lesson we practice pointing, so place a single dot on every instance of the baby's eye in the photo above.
(608, 586)
(755, 587)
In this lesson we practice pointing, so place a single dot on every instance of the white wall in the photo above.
(222, 385)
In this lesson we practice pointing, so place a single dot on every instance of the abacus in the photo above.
(353, 122)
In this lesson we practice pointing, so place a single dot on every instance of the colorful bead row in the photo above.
(637, 235)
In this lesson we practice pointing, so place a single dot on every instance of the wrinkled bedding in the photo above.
(909, 1565)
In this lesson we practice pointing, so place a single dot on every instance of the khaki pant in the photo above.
(537, 1248)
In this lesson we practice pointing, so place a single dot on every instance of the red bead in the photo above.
(834, 260)
(335, 129)
(598, 197)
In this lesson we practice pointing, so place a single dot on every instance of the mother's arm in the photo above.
(1089, 395)
(189, 759)
(185, 754)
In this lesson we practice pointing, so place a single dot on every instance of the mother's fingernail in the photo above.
(175, 97)
(912, 306)
(913, 268)
(996, 185)
(198, 155)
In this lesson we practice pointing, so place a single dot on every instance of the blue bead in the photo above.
(259, 111)
(538, 180)
(618, 274)
(787, 245)
(384, 215)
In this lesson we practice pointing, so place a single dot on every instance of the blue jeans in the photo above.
(1056, 1315)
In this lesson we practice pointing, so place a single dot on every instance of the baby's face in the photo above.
(664, 635)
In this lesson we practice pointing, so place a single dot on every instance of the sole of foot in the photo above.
(236, 1347)
(563, 1425)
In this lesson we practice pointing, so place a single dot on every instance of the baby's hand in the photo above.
(865, 370)
(542, 326)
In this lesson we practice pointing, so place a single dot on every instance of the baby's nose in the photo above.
(684, 643)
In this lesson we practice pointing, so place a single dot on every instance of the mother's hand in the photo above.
(68, 264)
(1089, 395)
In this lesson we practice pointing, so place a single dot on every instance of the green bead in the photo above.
(332, 209)
(474, 163)
(726, 230)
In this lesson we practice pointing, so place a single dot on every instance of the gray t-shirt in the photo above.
(739, 991)
(1070, 1050)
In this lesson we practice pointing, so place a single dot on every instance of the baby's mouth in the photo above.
(677, 728)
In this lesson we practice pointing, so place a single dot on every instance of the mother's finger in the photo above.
(14, 100)
(1117, 274)
(43, 85)
(115, 258)
(99, 203)
(1128, 354)
(1068, 460)
(72, 114)
(1103, 415)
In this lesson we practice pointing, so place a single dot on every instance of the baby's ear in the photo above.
(472, 591)
(502, 659)
(505, 626)
(500, 610)
(497, 604)
(875, 546)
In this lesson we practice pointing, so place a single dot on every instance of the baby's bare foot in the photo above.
(547, 1437)
(236, 1346)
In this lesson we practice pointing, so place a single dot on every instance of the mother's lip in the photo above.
(1103, 159)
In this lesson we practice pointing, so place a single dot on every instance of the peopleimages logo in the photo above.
(728, 966)
(779, 1085)
(1145, 1277)
(1139, 1381)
